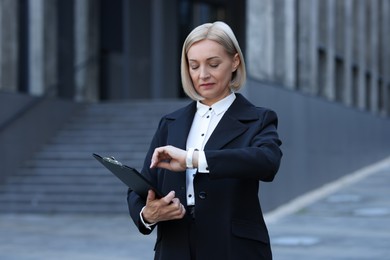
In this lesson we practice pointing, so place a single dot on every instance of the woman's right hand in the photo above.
(166, 208)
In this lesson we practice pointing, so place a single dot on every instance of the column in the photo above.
(50, 47)
(373, 53)
(284, 43)
(86, 41)
(36, 47)
(290, 44)
(9, 45)
(157, 46)
(1, 45)
(347, 52)
(307, 49)
(260, 45)
(164, 49)
(66, 49)
(329, 91)
(42, 47)
(385, 57)
(361, 59)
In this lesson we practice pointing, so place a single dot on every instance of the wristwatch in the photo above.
(190, 153)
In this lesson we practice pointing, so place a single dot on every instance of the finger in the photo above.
(163, 165)
(159, 154)
(151, 196)
(175, 201)
(169, 197)
(181, 212)
(154, 159)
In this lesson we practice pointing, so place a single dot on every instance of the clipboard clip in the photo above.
(111, 159)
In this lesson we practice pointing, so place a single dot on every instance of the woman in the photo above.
(209, 157)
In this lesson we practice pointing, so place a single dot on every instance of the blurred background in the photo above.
(85, 76)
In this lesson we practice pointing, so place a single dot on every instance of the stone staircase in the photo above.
(64, 177)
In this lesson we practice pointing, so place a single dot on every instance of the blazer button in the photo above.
(202, 195)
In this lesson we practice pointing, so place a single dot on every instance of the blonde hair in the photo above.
(221, 33)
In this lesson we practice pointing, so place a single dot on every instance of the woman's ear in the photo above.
(236, 62)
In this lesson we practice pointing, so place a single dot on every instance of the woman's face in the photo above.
(211, 69)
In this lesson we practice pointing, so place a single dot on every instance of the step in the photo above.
(63, 198)
(91, 148)
(74, 163)
(76, 155)
(93, 172)
(107, 208)
(92, 188)
(64, 177)
(54, 179)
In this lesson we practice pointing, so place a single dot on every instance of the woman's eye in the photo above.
(194, 67)
(214, 65)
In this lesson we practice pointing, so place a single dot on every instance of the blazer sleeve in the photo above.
(256, 156)
(134, 202)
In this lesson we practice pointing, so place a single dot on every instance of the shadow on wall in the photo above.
(26, 123)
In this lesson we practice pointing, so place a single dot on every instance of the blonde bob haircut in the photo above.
(221, 33)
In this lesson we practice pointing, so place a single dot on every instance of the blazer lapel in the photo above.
(232, 123)
(227, 130)
(180, 126)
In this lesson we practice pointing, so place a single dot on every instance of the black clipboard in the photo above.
(129, 176)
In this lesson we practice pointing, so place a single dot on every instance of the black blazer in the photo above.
(243, 150)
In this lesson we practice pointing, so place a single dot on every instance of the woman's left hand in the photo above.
(170, 158)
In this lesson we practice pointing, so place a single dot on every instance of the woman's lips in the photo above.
(206, 85)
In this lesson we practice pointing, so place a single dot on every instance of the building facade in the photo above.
(321, 65)
(338, 50)
(89, 50)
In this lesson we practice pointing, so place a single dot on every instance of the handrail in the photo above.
(78, 67)
(22, 111)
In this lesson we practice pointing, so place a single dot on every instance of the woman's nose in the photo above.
(204, 73)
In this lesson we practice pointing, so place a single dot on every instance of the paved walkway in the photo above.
(348, 219)
(345, 220)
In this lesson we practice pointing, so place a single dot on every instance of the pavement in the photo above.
(344, 220)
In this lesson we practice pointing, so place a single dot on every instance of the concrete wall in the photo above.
(323, 66)
(26, 123)
(338, 50)
(322, 140)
